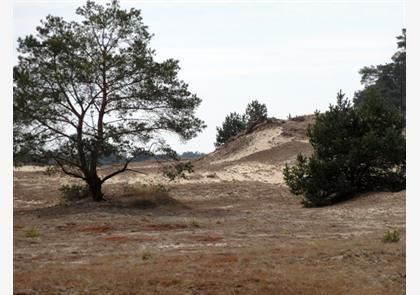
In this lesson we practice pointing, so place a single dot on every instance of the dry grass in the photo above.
(252, 238)
(230, 229)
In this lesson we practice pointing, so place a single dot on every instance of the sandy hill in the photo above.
(272, 141)
(259, 153)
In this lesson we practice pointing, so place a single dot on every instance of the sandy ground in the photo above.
(230, 228)
(225, 237)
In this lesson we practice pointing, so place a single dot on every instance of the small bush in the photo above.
(149, 190)
(194, 223)
(146, 255)
(32, 233)
(213, 175)
(391, 237)
(178, 170)
(74, 192)
(146, 196)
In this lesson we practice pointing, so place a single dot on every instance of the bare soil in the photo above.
(231, 228)
(204, 238)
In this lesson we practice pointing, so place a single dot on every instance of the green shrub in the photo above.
(235, 123)
(146, 255)
(391, 237)
(74, 192)
(355, 150)
(255, 112)
(32, 233)
(231, 126)
(178, 170)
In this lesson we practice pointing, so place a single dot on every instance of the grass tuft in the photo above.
(74, 192)
(146, 255)
(391, 237)
(32, 233)
(194, 223)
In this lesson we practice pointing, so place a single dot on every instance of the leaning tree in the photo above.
(90, 89)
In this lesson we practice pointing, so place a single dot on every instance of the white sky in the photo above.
(291, 55)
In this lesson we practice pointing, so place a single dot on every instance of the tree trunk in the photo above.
(95, 186)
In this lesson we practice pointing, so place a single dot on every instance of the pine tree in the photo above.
(86, 90)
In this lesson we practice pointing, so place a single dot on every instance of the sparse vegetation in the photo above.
(211, 175)
(194, 223)
(146, 255)
(298, 118)
(191, 155)
(391, 237)
(178, 170)
(150, 189)
(74, 192)
(32, 233)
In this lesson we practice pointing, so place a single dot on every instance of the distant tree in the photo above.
(86, 90)
(255, 112)
(388, 80)
(235, 123)
(355, 150)
(231, 126)
(191, 155)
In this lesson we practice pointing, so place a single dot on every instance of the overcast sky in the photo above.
(293, 56)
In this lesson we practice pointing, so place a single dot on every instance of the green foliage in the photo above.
(178, 170)
(355, 150)
(32, 233)
(255, 112)
(391, 237)
(387, 80)
(74, 192)
(235, 123)
(87, 90)
(231, 126)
